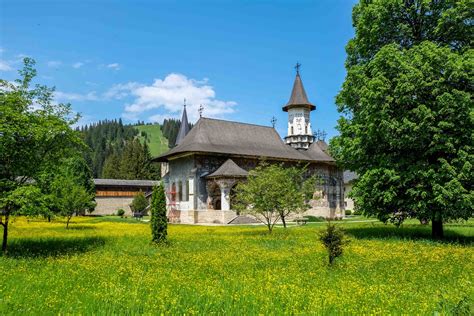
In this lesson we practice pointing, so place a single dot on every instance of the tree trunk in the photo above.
(283, 220)
(67, 222)
(437, 228)
(5, 233)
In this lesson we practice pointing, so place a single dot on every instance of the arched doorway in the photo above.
(214, 194)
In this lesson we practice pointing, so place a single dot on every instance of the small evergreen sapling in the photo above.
(334, 240)
(159, 221)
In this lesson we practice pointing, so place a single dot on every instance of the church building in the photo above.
(208, 161)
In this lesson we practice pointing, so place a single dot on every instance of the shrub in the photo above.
(159, 221)
(139, 203)
(348, 212)
(333, 239)
(357, 212)
(120, 212)
(313, 219)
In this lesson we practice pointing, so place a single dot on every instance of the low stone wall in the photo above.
(110, 205)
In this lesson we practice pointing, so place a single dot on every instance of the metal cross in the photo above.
(297, 67)
(273, 121)
(184, 102)
(323, 135)
(200, 110)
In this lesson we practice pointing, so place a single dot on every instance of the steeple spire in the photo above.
(299, 108)
(184, 128)
(298, 96)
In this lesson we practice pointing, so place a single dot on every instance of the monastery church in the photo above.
(200, 173)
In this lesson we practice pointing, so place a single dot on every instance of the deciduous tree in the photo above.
(408, 109)
(272, 192)
(34, 132)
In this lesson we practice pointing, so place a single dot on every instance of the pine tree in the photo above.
(159, 221)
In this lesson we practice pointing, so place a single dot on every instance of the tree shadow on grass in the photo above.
(51, 247)
(407, 232)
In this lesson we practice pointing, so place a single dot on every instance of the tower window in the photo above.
(306, 129)
(292, 131)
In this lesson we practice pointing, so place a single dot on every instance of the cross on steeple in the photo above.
(184, 102)
(297, 67)
(273, 121)
(200, 110)
(320, 135)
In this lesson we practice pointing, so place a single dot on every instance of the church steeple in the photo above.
(298, 107)
(184, 128)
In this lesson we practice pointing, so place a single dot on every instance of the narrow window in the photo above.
(306, 129)
(292, 132)
(180, 191)
(187, 190)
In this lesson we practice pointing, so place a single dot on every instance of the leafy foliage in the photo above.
(333, 239)
(159, 221)
(139, 203)
(273, 192)
(35, 134)
(408, 111)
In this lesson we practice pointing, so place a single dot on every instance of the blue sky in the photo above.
(140, 59)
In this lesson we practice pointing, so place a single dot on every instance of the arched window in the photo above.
(306, 129)
(292, 131)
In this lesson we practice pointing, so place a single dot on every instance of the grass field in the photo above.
(107, 266)
(156, 141)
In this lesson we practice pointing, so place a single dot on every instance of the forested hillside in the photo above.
(119, 151)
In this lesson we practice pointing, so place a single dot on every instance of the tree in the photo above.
(159, 221)
(72, 198)
(34, 132)
(408, 111)
(139, 203)
(272, 192)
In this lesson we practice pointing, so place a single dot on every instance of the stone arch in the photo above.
(214, 196)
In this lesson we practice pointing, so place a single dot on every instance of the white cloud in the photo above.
(114, 66)
(77, 65)
(4, 66)
(120, 91)
(54, 63)
(2, 50)
(168, 94)
(66, 97)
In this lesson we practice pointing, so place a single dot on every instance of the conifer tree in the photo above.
(159, 221)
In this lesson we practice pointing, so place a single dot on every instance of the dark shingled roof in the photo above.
(316, 152)
(298, 96)
(228, 169)
(120, 182)
(349, 176)
(234, 138)
(184, 128)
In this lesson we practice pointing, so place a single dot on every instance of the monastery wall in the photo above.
(110, 205)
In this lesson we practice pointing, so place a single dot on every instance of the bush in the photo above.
(348, 212)
(313, 219)
(357, 212)
(120, 212)
(333, 239)
(139, 203)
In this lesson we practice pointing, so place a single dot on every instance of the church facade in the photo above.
(200, 173)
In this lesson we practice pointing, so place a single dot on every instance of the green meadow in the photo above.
(108, 266)
(157, 143)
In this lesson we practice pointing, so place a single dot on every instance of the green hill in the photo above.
(156, 141)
